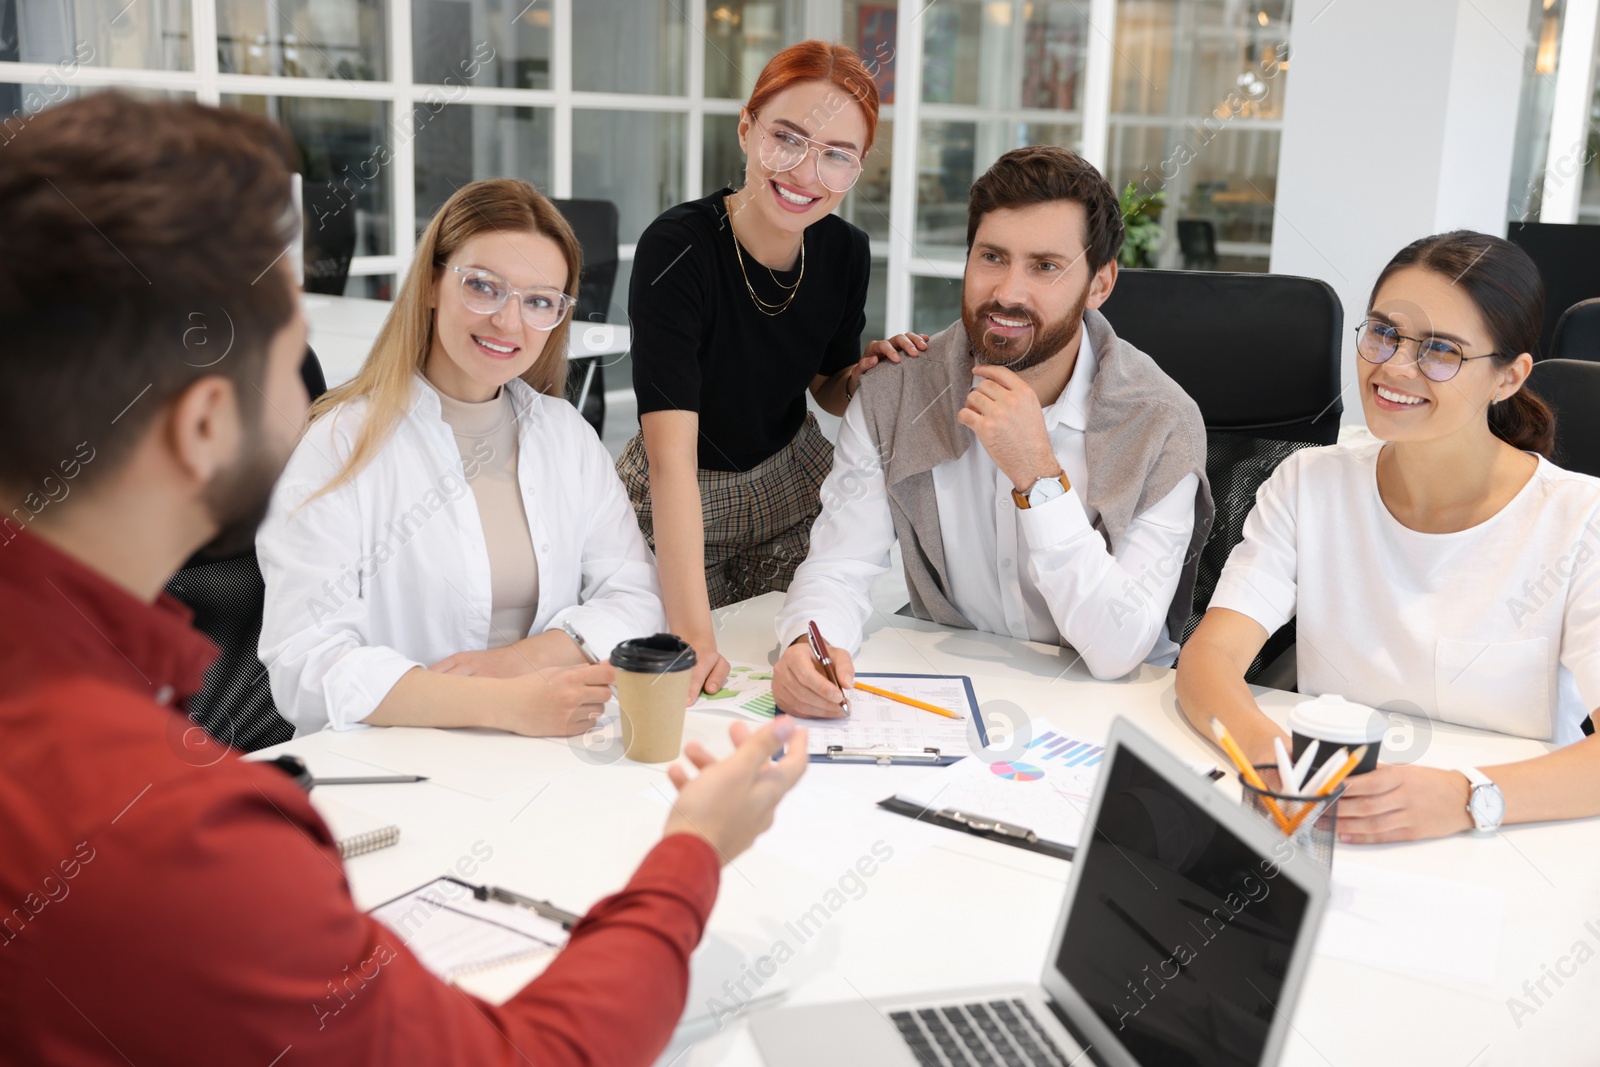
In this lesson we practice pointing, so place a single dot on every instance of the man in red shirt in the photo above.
(162, 907)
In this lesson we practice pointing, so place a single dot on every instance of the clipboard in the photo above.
(979, 826)
(934, 751)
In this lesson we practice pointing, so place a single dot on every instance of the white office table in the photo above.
(344, 327)
(949, 910)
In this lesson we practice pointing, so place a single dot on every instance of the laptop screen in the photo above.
(1180, 934)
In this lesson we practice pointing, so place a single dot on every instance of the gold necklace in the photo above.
(767, 308)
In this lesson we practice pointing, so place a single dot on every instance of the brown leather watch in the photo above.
(1042, 491)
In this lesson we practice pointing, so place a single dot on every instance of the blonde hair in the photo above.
(505, 205)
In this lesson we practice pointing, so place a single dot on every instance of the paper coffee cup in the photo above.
(1335, 723)
(652, 693)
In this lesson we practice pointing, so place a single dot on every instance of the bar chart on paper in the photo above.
(1070, 764)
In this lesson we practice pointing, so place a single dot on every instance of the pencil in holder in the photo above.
(1312, 820)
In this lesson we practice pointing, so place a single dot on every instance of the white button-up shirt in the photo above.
(391, 571)
(1037, 574)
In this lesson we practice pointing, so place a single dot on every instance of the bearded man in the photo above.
(1078, 517)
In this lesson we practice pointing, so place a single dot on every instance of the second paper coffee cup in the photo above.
(1335, 723)
(652, 693)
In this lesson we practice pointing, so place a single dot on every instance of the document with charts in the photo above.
(880, 723)
(1045, 788)
(747, 693)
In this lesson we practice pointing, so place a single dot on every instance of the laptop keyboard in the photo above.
(1000, 1033)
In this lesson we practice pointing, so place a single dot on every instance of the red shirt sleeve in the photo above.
(214, 924)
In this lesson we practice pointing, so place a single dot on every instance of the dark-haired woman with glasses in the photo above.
(449, 544)
(741, 303)
(1447, 569)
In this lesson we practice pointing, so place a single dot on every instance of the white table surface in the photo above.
(344, 327)
(950, 910)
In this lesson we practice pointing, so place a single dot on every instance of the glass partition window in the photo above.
(629, 46)
(153, 35)
(1011, 54)
(500, 43)
(935, 303)
(1197, 97)
(304, 39)
(465, 142)
(632, 158)
(1540, 55)
(345, 154)
(741, 36)
(635, 101)
(996, 75)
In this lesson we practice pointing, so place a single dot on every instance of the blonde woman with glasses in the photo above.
(449, 544)
(741, 303)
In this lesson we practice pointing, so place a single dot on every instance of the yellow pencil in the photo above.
(1248, 773)
(936, 709)
(1332, 783)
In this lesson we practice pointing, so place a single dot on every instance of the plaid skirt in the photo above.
(757, 522)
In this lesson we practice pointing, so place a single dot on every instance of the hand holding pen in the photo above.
(820, 649)
(811, 676)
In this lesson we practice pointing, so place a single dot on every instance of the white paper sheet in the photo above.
(1412, 923)
(878, 722)
(453, 933)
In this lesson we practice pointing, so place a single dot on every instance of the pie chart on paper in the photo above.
(1016, 772)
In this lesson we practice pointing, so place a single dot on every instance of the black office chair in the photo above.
(1568, 258)
(595, 223)
(1577, 333)
(1197, 240)
(1260, 354)
(330, 239)
(1572, 389)
(234, 704)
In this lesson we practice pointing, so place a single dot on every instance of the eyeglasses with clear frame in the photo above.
(1437, 358)
(485, 292)
(782, 150)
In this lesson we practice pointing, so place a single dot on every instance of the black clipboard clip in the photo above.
(883, 757)
(542, 908)
(979, 826)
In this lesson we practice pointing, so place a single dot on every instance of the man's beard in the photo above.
(238, 498)
(1036, 346)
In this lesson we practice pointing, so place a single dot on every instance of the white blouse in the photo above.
(391, 571)
(1496, 627)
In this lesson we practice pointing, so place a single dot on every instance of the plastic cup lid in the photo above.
(658, 654)
(1331, 717)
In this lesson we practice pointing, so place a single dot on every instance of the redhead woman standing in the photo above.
(741, 303)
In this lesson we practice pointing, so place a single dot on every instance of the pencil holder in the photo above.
(1311, 820)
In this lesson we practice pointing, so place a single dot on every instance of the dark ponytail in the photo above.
(1505, 285)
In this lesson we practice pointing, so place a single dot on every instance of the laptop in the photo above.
(1184, 937)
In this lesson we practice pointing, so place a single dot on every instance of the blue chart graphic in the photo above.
(1065, 751)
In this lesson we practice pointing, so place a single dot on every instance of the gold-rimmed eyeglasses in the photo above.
(783, 149)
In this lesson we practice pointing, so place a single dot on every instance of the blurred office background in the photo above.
(1299, 136)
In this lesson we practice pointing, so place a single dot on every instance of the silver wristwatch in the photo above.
(1485, 803)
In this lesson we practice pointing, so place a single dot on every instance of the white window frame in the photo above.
(821, 17)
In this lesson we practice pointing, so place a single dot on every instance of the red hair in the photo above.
(811, 61)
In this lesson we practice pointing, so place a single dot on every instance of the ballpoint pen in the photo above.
(543, 908)
(296, 768)
(819, 649)
(577, 639)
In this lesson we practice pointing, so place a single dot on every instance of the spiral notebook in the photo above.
(355, 831)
